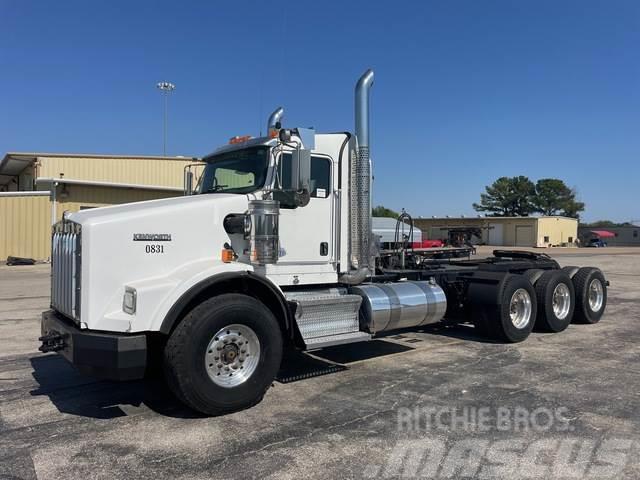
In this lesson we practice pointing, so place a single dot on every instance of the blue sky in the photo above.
(465, 91)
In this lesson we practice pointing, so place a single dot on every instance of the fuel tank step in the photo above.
(327, 317)
(331, 340)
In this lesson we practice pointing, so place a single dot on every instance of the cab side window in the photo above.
(320, 185)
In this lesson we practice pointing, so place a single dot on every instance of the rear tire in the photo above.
(571, 270)
(591, 295)
(224, 354)
(556, 301)
(533, 275)
(507, 311)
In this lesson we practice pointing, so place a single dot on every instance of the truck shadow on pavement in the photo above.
(76, 394)
(461, 331)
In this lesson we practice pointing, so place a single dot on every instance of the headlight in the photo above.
(129, 300)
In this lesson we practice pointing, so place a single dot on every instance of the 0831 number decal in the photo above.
(154, 248)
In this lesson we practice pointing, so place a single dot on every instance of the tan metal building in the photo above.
(37, 188)
(506, 231)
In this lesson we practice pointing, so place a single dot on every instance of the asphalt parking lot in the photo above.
(362, 421)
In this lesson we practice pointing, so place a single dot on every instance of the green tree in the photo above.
(381, 211)
(553, 197)
(508, 197)
(606, 224)
(572, 208)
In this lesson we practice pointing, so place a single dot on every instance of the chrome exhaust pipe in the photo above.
(363, 87)
(274, 118)
(360, 188)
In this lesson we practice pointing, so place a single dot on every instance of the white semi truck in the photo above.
(273, 252)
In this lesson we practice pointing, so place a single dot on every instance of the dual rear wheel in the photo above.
(571, 294)
(591, 295)
(548, 300)
(506, 311)
(556, 301)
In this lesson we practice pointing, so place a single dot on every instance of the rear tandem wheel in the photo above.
(556, 301)
(591, 295)
(505, 311)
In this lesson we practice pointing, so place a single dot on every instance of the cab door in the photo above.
(307, 233)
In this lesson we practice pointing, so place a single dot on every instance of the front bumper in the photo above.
(104, 355)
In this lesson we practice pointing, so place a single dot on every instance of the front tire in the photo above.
(224, 354)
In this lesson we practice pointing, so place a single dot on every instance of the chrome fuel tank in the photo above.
(394, 305)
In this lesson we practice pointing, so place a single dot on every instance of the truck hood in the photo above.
(131, 211)
(160, 239)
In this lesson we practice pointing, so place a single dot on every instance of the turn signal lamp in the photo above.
(227, 255)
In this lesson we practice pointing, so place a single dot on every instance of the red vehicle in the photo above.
(429, 244)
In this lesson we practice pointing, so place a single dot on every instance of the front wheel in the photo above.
(224, 354)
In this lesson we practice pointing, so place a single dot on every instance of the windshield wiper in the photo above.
(214, 189)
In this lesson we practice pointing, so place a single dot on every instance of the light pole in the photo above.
(167, 88)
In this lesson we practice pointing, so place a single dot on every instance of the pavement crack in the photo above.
(312, 433)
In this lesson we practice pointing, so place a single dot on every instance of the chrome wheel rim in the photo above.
(232, 355)
(520, 308)
(561, 301)
(596, 295)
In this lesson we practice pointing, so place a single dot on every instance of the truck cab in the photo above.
(309, 227)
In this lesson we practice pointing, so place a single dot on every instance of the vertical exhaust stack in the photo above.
(360, 188)
(274, 118)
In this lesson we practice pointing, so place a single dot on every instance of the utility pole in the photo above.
(166, 88)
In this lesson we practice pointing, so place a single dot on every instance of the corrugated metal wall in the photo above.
(142, 171)
(25, 227)
(557, 231)
(79, 197)
(522, 231)
(25, 221)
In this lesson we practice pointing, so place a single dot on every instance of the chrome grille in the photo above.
(65, 268)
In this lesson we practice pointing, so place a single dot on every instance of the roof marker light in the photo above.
(238, 139)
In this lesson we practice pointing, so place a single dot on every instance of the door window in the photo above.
(320, 185)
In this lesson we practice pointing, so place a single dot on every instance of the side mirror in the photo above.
(300, 170)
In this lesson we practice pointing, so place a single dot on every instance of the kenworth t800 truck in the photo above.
(274, 251)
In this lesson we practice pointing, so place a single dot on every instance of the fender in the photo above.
(243, 278)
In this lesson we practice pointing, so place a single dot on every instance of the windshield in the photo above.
(240, 171)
